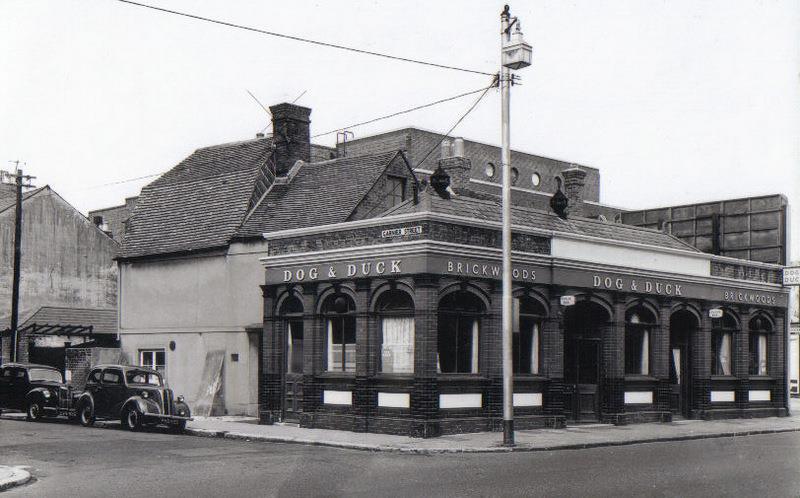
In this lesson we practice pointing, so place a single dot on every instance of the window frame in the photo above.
(537, 319)
(727, 325)
(154, 365)
(391, 193)
(758, 328)
(384, 310)
(345, 317)
(639, 321)
(455, 315)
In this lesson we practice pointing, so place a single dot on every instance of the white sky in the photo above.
(674, 101)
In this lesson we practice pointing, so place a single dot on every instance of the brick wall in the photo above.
(79, 361)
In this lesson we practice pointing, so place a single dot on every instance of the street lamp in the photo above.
(515, 54)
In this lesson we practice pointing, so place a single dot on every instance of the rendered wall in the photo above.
(203, 304)
(66, 261)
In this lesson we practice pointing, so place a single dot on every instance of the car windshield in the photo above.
(44, 374)
(147, 378)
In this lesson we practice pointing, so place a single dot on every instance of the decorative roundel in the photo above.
(490, 170)
(514, 176)
(536, 179)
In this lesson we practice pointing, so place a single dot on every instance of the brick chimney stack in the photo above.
(457, 166)
(291, 135)
(574, 181)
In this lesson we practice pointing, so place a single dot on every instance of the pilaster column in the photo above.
(552, 361)
(313, 340)
(776, 359)
(269, 382)
(365, 398)
(701, 362)
(425, 393)
(741, 358)
(660, 355)
(491, 351)
(613, 361)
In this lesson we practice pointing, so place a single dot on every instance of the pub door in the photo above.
(682, 323)
(582, 346)
(293, 376)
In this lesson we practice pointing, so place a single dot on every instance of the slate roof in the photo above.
(319, 194)
(199, 203)
(487, 208)
(102, 321)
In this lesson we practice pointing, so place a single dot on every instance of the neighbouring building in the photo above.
(794, 339)
(392, 324)
(67, 266)
(112, 220)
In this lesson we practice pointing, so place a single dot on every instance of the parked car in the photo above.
(38, 390)
(136, 396)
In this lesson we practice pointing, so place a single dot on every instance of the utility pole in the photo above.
(20, 180)
(515, 54)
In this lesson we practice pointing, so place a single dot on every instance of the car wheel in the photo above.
(132, 419)
(86, 415)
(34, 411)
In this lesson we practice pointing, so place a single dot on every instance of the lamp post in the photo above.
(515, 54)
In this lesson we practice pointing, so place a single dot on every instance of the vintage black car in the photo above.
(136, 396)
(39, 390)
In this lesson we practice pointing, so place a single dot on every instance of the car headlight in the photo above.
(145, 394)
(47, 394)
(180, 399)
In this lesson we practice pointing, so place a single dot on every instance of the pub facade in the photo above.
(393, 324)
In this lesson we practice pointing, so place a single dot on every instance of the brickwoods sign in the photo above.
(438, 264)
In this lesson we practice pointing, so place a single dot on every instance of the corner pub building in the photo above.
(393, 324)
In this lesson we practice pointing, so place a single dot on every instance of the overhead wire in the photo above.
(387, 116)
(303, 40)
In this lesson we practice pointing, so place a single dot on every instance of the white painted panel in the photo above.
(337, 397)
(722, 396)
(759, 395)
(632, 257)
(460, 400)
(394, 400)
(638, 397)
(527, 399)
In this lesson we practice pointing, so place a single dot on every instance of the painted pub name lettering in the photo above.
(647, 286)
(749, 297)
(343, 271)
(486, 270)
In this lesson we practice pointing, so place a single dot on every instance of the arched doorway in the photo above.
(583, 324)
(291, 316)
(682, 324)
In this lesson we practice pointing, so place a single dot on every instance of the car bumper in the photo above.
(170, 418)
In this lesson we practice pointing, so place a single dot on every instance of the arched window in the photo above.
(760, 329)
(459, 325)
(639, 323)
(340, 333)
(396, 312)
(292, 313)
(528, 314)
(721, 343)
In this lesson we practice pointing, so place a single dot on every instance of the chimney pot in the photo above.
(458, 147)
(446, 151)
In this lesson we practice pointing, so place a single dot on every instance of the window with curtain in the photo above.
(759, 333)
(396, 314)
(340, 332)
(722, 344)
(639, 324)
(458, 332)
(528, 315)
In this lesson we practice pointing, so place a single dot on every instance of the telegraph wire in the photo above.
(406, 111)
(304, 40)
(495, 81)
(430, 104)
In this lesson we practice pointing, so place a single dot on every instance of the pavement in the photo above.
(570, 438)
(13, 476)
